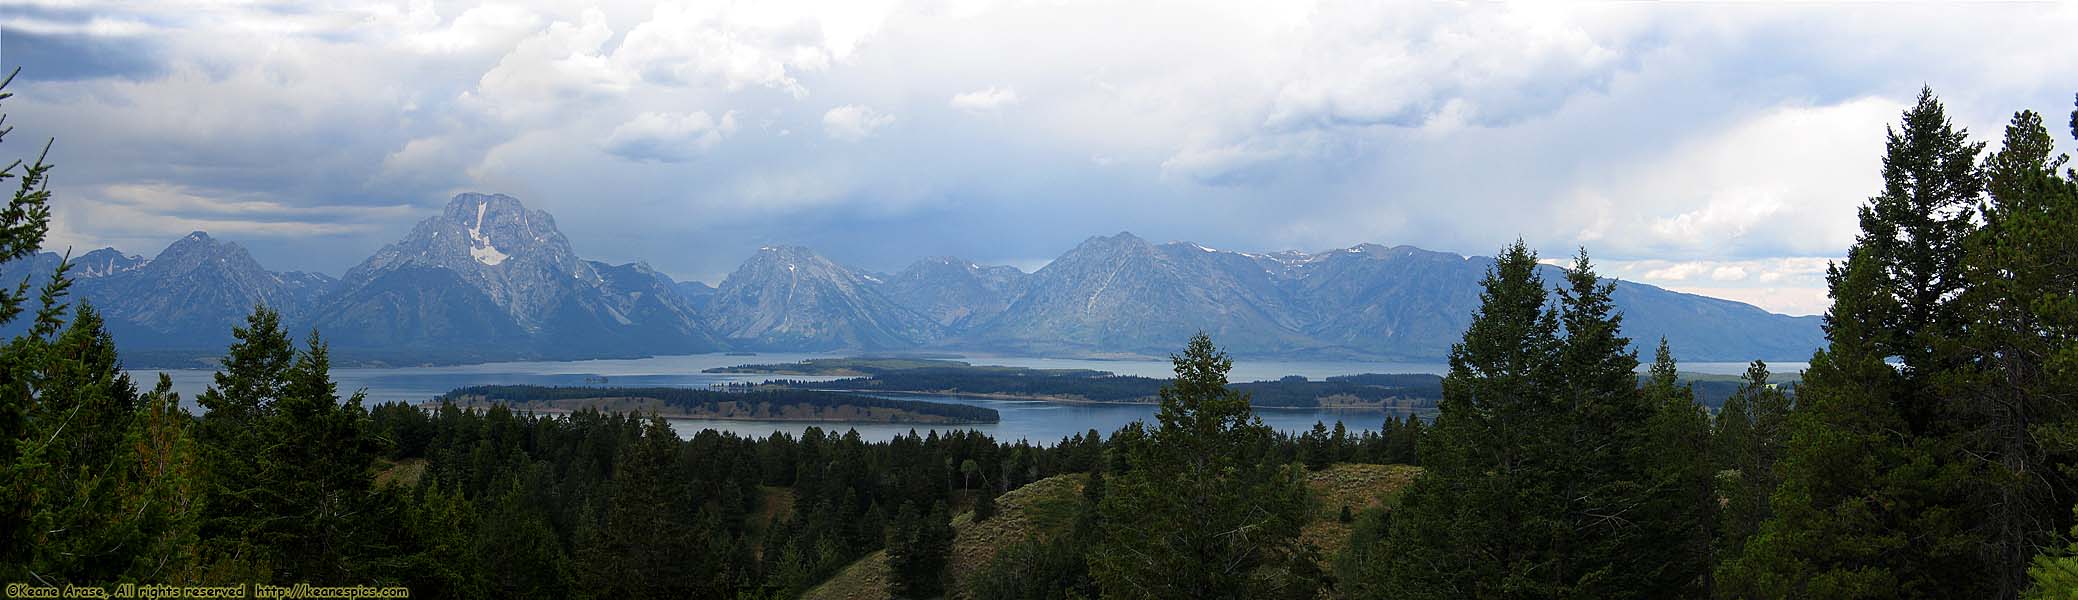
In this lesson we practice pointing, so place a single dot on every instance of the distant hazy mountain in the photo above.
(955, 293)
(187, 297)
(488, 278)
(1122, 294)
(103, 263)
(697, 293)
(790, 298)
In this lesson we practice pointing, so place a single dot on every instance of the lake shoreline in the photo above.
(533, 408)
(1085, 401)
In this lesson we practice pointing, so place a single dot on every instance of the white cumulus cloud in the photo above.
(852, 122)
(984, 100)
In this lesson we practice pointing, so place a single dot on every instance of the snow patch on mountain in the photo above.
(480, 247)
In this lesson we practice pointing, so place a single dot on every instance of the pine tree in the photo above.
(1202, 511)
(1753, 440)
(918, 547)
(95, 481)
(109, 466)
(644, 545)
(1481, 519)
(232, 440)
(1858, 513)
(321, 487)
(1682, 481)
(2053, 574)
(23, 223)
(2022, 347)
(1602, 549)
(1314, 449)
(1874, 497)
(984, 503)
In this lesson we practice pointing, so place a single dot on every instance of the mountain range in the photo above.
(489, 279)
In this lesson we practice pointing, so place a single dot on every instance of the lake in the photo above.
(1039, 422)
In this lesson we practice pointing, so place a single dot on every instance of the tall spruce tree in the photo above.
(644, 544)
(1754, 438)
(2020, 378)
(918, 546)
(1681, 486)
(1204, 510)
(94, 477)
(1548, 472)
(1603, 549)
(1874, 497)
(1482, 518)
(321, 487)
(233, 440)
(23, 223)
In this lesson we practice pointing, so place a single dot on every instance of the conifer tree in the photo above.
(2021, 304)
(918, 546)
(233, 439)
(1874, 499)
(1600, 441)
(644, 544)
(1681, 478)
(1758, 434)
(23, 223)
(984, 503)
(1202, 511)
(321, 487)
(1481, 519)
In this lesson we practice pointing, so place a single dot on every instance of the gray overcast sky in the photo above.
(1714, 148)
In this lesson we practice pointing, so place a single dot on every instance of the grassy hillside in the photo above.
(1047, 507)
(1356, 486)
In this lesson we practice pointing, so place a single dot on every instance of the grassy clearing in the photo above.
(1047, 507)
(405, 473)
(1353, 485)
(1044, 507)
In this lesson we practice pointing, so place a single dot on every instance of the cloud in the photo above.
(1743, 188)
(478, 28)
(549, 70)
(669, 137)
(1719, 135)
(852, 122)
(984, 100)
(1793, 285)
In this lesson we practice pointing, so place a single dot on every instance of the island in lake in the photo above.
(770, 404)
(933, 376)
(905, 375)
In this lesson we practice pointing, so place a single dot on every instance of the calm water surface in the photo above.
(1039, 422)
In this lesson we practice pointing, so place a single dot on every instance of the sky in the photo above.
(1719, 149)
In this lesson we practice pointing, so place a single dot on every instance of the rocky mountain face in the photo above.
(954, 293)
(490, 278)
(187, 297)
(1122, 294)
(790, 298)
(105, 262)
(697, 293)
(1083, 301)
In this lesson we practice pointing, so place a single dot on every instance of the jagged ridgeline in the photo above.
(490, 279)
(763, 404)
